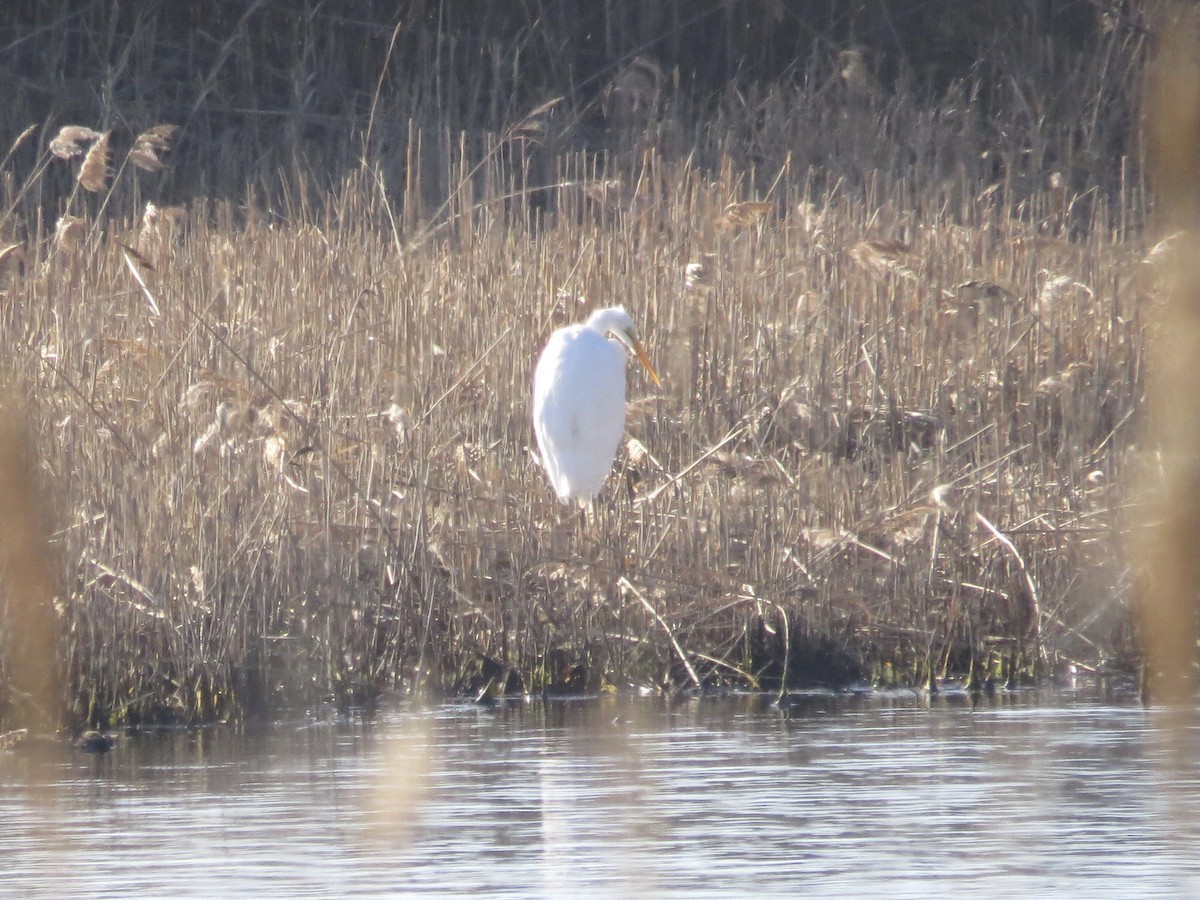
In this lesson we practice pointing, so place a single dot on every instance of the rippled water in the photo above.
(1024, 795)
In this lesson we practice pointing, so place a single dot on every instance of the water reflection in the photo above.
(844, 795)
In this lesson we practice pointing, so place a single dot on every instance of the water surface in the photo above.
(1028, 794)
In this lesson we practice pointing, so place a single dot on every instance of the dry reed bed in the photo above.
(892, 441)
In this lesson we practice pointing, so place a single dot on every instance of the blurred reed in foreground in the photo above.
(31, 686)
(1171, 586)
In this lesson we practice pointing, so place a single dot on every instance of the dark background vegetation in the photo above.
(266, 89)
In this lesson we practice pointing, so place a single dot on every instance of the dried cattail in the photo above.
(743, 214)
(69, 141)
(158, 226)
(93, 174)
(159, 137)
(145, 159)
(69, 232)
(883, 256)
(195, 395)
(29, 129)
(149, 144)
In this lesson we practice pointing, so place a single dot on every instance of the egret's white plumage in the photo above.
(579, 400)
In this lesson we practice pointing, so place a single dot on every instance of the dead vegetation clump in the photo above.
(293, 456)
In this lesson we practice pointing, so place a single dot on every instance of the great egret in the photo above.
(579, 400)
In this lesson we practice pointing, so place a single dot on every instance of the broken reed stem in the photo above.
(787, 652)
(137, 276)
(1035, 612)
(679, 651)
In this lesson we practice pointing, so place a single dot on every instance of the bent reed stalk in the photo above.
(292, 456)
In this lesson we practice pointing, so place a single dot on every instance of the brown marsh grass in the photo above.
(902, 358)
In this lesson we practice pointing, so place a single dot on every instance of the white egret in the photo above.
(579, 400)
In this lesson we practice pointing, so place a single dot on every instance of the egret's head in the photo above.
(616, 322)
